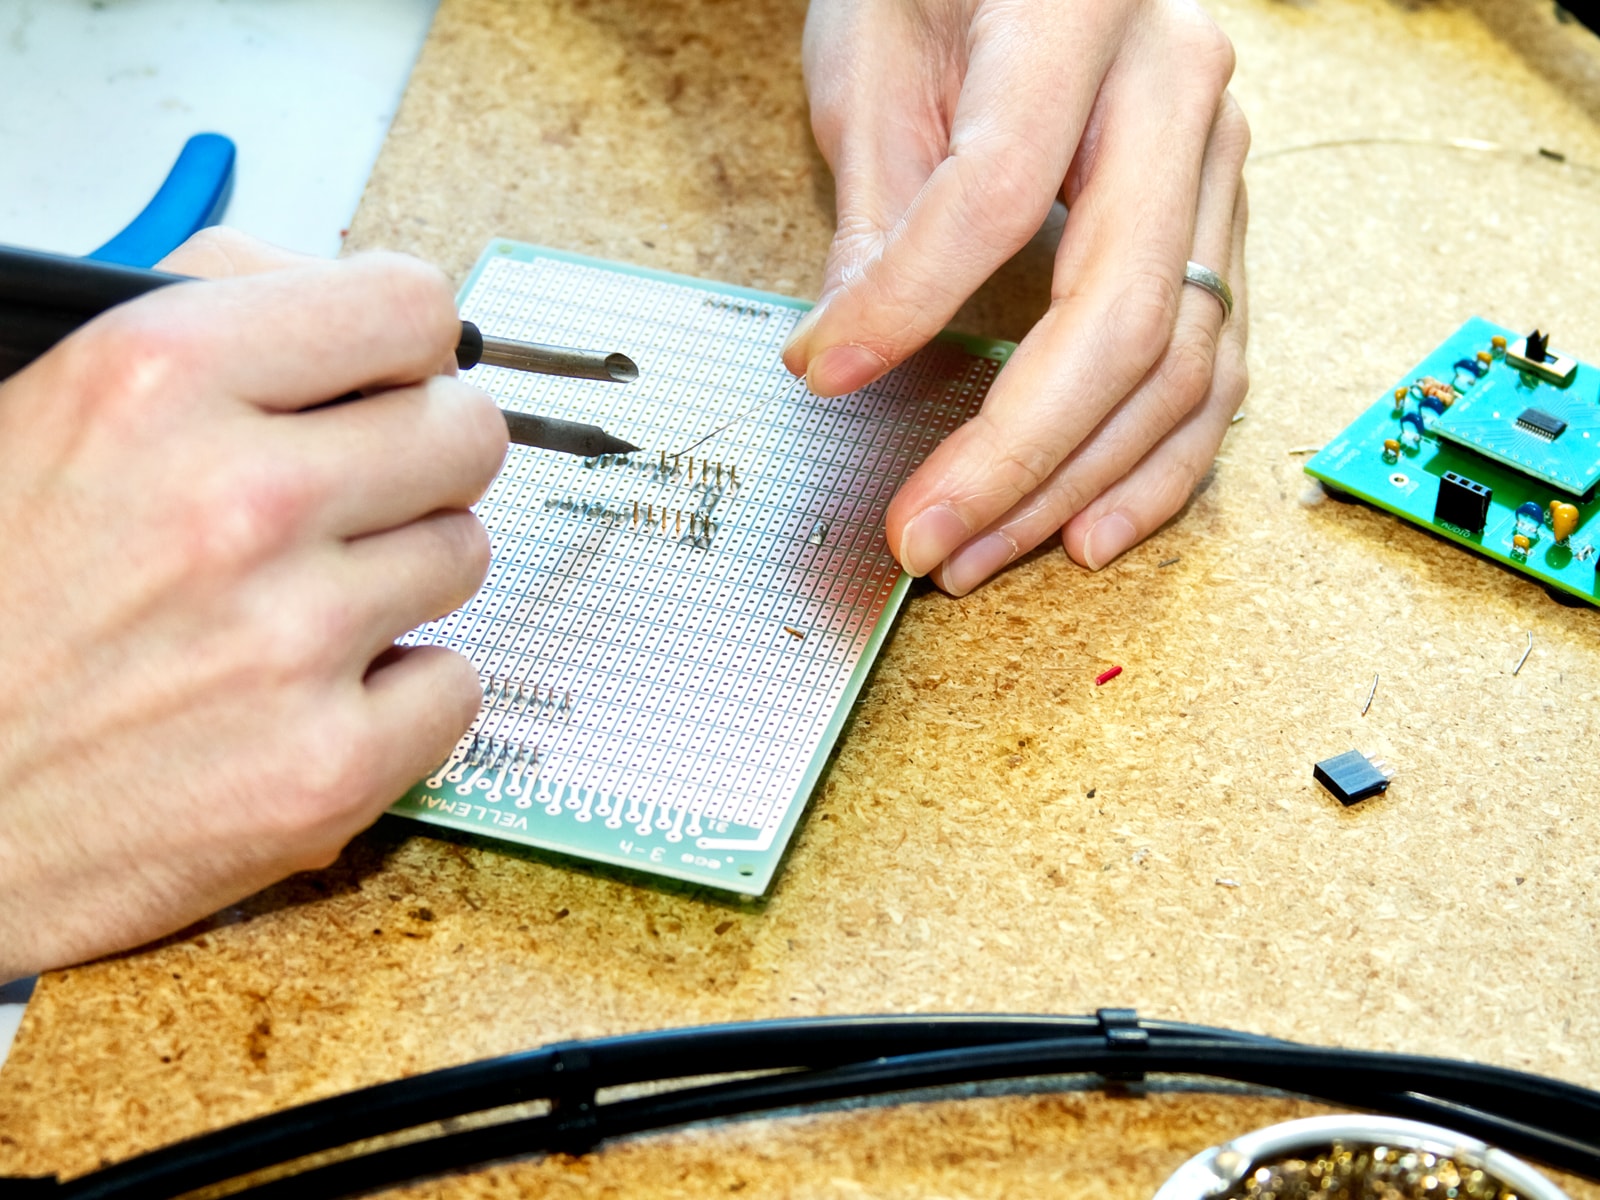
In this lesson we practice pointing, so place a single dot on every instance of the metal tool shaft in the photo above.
(569, 437)
(557, 360)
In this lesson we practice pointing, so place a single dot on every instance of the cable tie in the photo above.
(572, 1100)
(1124, 1035)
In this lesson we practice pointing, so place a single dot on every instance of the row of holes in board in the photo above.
(668, 314)
(599, 313)
(674, 368)
(673, 647)
(671, 753)
(756, 568)
(767, 653)
(784, 531)
(623, 678)
(542, 573)
(698, 689)
(671, 635)
(835, 601)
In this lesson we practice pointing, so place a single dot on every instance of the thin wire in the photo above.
(1472, 145)
(790, 389)
(1525, 653)
(1370, 695)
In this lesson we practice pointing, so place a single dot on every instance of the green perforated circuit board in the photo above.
(670, 641)
(1470, 430)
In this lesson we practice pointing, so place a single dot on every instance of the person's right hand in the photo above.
(201, 584)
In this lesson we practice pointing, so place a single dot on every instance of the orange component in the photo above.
(1520, 542)
(1563, 519)
(1498, 342)
(1400, 395)
(1439, 390)
(1485, 357)
(1391, 446)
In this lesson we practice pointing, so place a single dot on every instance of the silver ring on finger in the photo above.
(1205, 277)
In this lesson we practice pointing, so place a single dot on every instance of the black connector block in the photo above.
(1352, 776)
(1462, 502)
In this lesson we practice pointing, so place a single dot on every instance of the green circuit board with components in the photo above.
(1492, 441)
(669, 641)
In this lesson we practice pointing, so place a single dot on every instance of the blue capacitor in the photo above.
(1411, 430)
(1530, 520)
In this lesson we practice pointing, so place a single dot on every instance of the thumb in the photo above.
(220, 252)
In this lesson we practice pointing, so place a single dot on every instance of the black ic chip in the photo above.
(1350, 777)
(1536, 420)
(1462, 502)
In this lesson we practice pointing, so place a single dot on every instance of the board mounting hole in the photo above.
(1400, 479)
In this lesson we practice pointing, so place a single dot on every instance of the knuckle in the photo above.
(1232, 381)
(215, 250)
(335, 765)
(1007, 187)
(306, 639)
(485, 430)
(1014, 468)
(1233, 129)
(464, 553)
(1142, 316)
(133, 356)
(419, 297)
(1206, 49)
(1187, 375)
(248, 511)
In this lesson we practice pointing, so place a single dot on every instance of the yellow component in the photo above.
(1520, 542)
(1400, 397)
(1485, 357)
(1391, 448)
(1563, 519)
(1498, 342)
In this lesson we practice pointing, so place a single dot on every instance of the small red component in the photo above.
(1107, 676)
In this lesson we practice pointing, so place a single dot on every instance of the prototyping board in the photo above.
(1489, 450)
(669, 641)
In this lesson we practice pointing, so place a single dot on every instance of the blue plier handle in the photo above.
(192, 196)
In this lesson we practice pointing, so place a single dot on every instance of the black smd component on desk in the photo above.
(1351, 776)
(1462, 502)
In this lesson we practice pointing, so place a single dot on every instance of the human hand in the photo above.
(201, 584)
(952, 126)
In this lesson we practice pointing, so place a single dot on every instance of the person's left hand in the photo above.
(952, 126)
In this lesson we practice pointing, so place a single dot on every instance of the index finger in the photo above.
(1013, 136)
(288, 339)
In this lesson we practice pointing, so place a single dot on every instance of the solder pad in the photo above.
(669, 642)
(1488, 448)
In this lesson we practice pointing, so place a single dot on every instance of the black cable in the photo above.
(542, 1073)
(579, 1128)
(830, 1059)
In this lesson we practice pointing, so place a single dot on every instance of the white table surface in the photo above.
(97, 98)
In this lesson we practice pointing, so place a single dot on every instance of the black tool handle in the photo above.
(44, 297)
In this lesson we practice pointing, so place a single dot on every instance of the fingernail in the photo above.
(929, 538)
(802, 329)
(1108, 537)
(972, 564)
(842, 369)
